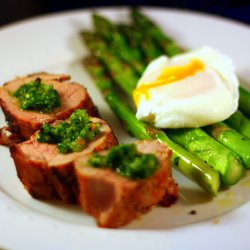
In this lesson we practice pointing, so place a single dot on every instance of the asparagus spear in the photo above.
(110, 32)
(140, 42)
(244, 101)
(104, 82)
(231, 139)
(186, 163)
(214, 153)
(132, 36)
(191, 166)
(97, 70)
(122, 74)
(166, 43)
(239, 122)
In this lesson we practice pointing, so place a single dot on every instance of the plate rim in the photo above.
(119, 234)
(56, 14)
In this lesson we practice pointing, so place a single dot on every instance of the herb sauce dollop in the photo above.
(127, 161)
(70, 136)
(37, 96)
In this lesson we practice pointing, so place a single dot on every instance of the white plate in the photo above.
(52, 43)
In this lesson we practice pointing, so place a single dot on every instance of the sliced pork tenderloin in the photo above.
(24, 122)
(115, 200)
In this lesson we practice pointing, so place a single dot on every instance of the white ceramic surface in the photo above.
(52, 43)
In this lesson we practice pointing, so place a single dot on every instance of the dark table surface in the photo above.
(15, 10)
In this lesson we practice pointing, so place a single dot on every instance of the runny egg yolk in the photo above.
(168, 75)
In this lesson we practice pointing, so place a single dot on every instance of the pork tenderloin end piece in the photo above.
(23, 122)
(48, 174)
(114, 200)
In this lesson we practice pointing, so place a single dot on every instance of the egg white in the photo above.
(208, 96)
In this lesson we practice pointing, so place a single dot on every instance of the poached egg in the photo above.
(193, 89)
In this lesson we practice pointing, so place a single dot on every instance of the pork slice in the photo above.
(72, 96)
(114, 200)
(48, 174)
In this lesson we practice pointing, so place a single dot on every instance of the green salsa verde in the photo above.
(37, 96)
(70, 136)
(127, 161)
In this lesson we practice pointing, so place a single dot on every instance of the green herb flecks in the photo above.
(37, 96)
(127, 161)
(70, 136)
